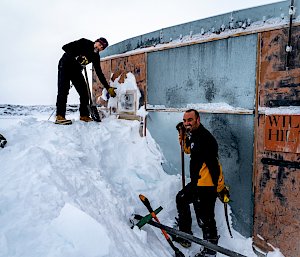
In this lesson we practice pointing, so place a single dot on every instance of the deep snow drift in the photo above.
(70, 190)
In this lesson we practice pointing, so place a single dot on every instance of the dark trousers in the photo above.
(203, 199)
(70, 71)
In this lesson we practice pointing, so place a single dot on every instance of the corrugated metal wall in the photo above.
(234, 134)
(232, 20)
(213, 72)
(221, 71)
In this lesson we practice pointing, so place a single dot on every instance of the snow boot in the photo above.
(86, 118)
(183, 242)
(61, 120)
(208, 252)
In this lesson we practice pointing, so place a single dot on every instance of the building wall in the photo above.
(221, 71)
(277, 170)
(213, 72)
(232, 20)
(259, 146)
(119, 67)
(234, 134)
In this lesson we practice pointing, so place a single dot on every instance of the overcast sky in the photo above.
(33, 32)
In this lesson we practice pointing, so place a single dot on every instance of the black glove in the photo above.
(2, 141)
(224, 195)
(180, 127)
(82, 60)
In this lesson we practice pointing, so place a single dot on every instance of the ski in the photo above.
(191, 238)
(146, 202)
(146, 218)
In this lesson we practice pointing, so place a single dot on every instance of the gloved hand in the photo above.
(2, 141)
(181, 130)
(82, 60)
(180, 127)
(224, 195)
(111, 91)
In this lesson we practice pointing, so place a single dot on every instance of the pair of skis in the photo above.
(142, 220)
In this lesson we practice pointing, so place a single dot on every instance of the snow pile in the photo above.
(71, 190)
(284, 110)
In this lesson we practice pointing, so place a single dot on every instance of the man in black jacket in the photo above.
(205, 174)
(78, 54)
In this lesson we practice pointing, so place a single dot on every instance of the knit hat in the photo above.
(102, 41)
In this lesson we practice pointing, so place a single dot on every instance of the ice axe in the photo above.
(146, 202)
(180, 129)
(91, 107)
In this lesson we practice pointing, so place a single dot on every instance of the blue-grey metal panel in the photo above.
(234, 134)
(233, 20)
(212, 72)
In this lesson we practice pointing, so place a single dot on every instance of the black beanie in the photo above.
(102, 41)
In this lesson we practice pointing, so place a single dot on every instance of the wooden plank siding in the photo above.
(277, 169)
(119, 67)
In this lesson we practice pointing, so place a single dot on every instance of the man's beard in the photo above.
(188, 129)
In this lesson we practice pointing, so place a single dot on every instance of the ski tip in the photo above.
(142, 197)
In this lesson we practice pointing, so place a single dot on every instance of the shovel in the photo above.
(91, 107)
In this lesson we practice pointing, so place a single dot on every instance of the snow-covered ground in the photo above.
(71, 190)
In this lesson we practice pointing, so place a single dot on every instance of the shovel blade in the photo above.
(94, 113)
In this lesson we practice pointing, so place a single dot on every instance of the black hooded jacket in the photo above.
(203, 149)
(85, 47)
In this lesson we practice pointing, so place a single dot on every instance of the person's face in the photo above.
(190, 121)
(98, 47)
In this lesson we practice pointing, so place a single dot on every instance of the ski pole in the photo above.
(146, 202)
(182, 161)
(51, 114)
(180, 127)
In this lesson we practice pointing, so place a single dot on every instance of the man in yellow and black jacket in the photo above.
(206, 180)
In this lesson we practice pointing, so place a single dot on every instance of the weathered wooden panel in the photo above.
(277, 192)
(277, 170)
(97, 86)
(278, 86)
(136, 64)
(119, 67)
(282, 133)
